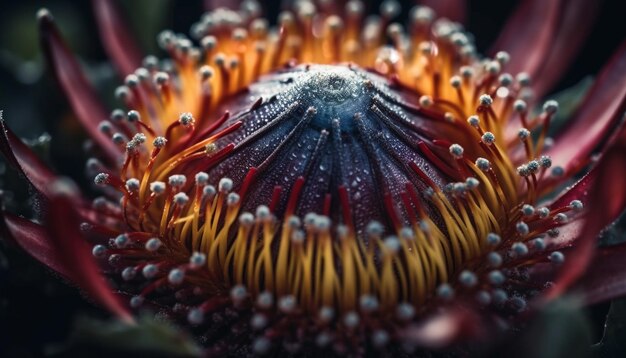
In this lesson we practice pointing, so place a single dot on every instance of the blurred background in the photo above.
(38, 311)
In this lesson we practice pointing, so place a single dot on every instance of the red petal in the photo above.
(22, 158)
(34, 239)
(117, 39)
(607, 200)
(454, 10)
(63, 227)
(599, 113)
(605, 278)
(575, 21)
(79, 92)
(527, 35)
(214, 4)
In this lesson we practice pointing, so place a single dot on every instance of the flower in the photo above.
(364, 195)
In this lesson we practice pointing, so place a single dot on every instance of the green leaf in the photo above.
(559, 330)
(150, 337)
(613, 343)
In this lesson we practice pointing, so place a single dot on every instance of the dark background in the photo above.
(36, 309)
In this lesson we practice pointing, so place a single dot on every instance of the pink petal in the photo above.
(607, 200)
(79, 92)
(22, 158)
(599, 113)
(116, 37)
(34, 239)
(214, 4)
(444, 328)
(528, 34)
(63, 228)
(605, 278)
(454, 10)
(575, 21)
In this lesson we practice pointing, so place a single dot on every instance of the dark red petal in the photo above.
(528, 34)
(25, 160)
(575, 22)
(600, 111)
(454, 10)
(79, 92)
(63, 227)
(34, 239)
(607, 200)
(605, 278)
(116, 38)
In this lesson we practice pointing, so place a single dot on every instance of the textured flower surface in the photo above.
(337, 183)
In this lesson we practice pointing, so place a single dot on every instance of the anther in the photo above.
(326, 314)
(101, 179)
(176, 276)
(488, 138)
(551, 107)
(560, 218)
(472, 183)
(528, 210)
(557, 257)
(520, 106)
(493, 239)
(405, 311)
(202, 178)
(522, 228)
(261, 345)
(180, 199)
(238, 293)
(132, 185)
(519, 249)
(157, 187)
(136, 301)
(177, 180)
(485, 100)
(455, 81)
(117, 115)
(499, 296)
(523, 134)
(456, 150)
(483, 297)
(186, 119)
(576, 205)
(426, 101)
(150, 271)
(468, 278)
(133, 116)
(197, 260)
(351, 319)
(195, 316)
(99, 251)
(265, 300)
(503, 57)
(287, 304)
(496, 277)
(545, 161)
(153, 244)
(473, 121)
(505, 79)
(523, 79)
(494, 259)
(543, 212)
(539, 244)
(368, 303)
(258, 321)
(225, 185)
(445, 291)
(159, 142)
(121, 241)
(129, 273)
(493, 67)
(483, 164)
(380, 338)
